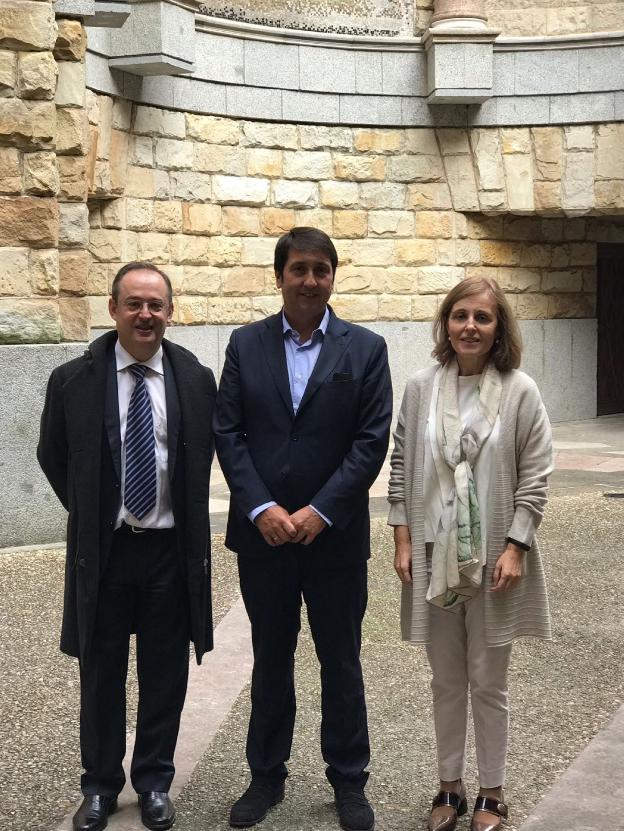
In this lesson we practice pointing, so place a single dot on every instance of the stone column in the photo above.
(460, 53)
(459, 14)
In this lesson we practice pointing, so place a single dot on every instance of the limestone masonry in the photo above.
(89, 182)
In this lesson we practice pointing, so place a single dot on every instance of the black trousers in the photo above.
(140, 591)
(272, 590)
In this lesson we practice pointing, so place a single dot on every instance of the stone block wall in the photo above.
(555, 17)
(43, 141)
(207, 197)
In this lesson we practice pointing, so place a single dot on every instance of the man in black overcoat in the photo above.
(301, 430)
(126, 443)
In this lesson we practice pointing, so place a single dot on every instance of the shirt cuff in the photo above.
(523, 527)
(327, 522)
(397, 514)
(251, 516)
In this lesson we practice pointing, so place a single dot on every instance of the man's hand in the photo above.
(508, 569)
(308, 524)
(276, 526)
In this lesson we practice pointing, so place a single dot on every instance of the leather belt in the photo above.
(124, 528)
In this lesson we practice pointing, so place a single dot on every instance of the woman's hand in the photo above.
(403, 553)
(508, 569)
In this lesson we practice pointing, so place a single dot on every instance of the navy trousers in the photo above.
(335, 599)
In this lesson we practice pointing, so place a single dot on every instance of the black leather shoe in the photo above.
(93, 813)
(354, 810)
(253, 805)
(157, 811)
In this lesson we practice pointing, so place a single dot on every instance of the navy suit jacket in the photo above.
(328, 454)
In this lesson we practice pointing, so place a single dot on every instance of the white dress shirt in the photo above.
(301, 359)
(161, 515)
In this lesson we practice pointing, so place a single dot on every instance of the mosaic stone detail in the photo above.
(390, 18)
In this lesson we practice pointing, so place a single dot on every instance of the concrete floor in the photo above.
(567, 728)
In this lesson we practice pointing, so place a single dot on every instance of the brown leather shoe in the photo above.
(494, 807)
(452, 805)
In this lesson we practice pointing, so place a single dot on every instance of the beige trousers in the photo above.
(461, 661)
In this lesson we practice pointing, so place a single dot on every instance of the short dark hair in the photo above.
(305, 239)
(507, 350)
(139, 266)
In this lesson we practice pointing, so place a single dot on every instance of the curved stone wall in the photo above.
(254, 72)
(207, 198)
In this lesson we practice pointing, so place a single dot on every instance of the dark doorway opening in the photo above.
(610, 313)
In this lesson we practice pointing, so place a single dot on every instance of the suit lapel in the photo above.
(173, 413)
(111, 413)
(272, 339)
(335, 342)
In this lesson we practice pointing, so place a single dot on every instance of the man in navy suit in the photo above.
(301, 430)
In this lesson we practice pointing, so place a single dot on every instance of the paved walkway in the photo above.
(568, 733)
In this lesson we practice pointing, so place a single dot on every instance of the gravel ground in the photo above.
(562, 693)
(40, 689)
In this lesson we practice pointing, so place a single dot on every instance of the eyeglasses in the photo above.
(153, 306)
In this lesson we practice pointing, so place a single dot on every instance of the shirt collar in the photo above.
(322, 327)
(124, 359)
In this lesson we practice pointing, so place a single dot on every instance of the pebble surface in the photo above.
(562, 693)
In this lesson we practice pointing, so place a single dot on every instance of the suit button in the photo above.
(82, 562)
(294, 438)
(116, 486)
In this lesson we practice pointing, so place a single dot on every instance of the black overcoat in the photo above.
(79, 452)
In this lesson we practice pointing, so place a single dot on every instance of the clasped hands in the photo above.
(507, 571)
(277, 526)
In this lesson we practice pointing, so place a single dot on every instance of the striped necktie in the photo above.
(140, 484)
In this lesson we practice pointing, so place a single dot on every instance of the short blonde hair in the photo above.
(507, 350)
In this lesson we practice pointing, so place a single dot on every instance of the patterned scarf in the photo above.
(457, 561)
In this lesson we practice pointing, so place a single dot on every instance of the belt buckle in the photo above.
(137, 530)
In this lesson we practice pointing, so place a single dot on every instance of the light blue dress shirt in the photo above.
(301, 359)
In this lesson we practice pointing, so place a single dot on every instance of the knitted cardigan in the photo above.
(523, 462)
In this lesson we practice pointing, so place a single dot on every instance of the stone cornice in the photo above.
(330, 40)
(588, 41)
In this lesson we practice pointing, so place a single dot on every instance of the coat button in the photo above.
(82, 562)
(294, 438)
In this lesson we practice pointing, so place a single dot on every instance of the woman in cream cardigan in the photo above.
(467, 492)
